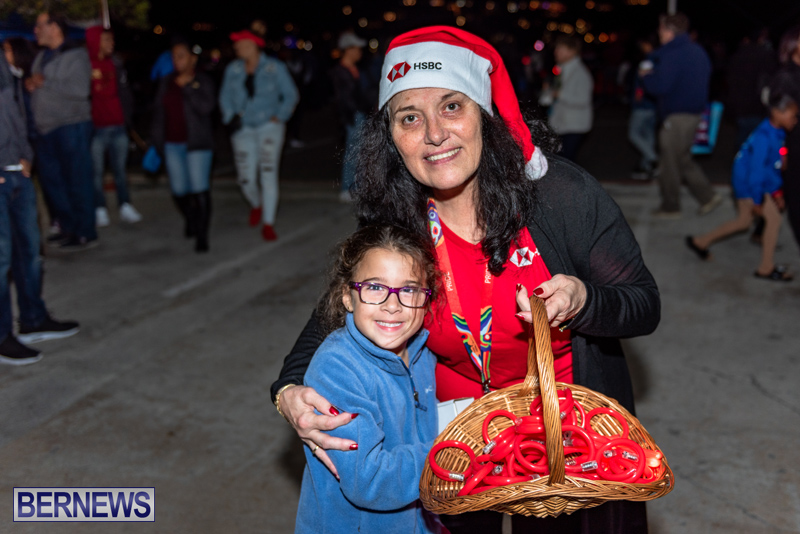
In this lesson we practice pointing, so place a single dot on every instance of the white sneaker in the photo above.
(101, 217)
(128, 214)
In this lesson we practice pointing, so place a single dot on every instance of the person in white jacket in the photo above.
(570, 96)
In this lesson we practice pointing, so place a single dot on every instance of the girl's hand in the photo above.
(564, 296)
(298, 404)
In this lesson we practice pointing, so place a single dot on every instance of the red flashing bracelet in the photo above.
(490, 417)
(475, 479)
(449, 475)
(504, 443)
(613, 413)
(613, 469)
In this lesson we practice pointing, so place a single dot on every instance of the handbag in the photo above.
(705, 136)
(151, 161)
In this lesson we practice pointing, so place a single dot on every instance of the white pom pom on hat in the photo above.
(449, 58)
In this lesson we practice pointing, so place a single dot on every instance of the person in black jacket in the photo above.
(181, 130)
(449, 146)
(787, 80)
(749, 71)
(351, 90)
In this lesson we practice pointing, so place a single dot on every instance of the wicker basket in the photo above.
(550, 495)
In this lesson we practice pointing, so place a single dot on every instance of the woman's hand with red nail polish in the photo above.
(307, 411)
(564, 297)
(523, 304)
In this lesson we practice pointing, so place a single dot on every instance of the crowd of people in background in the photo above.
(69, 112)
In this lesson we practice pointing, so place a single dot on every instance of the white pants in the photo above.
(257, 152)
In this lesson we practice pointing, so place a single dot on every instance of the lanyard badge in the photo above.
(480, 353)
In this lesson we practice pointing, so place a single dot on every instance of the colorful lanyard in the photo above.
(480, 354)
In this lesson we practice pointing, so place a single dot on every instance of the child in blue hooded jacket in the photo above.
(757, 185)
(375, 366)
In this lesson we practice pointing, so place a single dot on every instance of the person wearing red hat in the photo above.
(450, 156)
(258, 96)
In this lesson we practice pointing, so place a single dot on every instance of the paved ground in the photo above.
(167, 384)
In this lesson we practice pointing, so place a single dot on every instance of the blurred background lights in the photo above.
(512, 7)
(538, 45)
(373, 44)
(390, 16)
(347, 10)
(362, 22)
(461, 20)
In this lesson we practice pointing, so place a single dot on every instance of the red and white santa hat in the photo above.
(449, 58)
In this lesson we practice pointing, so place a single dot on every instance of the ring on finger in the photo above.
(314, 450)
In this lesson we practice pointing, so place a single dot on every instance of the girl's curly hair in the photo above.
(349, 253)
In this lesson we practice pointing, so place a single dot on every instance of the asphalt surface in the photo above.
(167, 384)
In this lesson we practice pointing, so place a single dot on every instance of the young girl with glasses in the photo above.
(375, 366)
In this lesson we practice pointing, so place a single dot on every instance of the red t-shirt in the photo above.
(106, 106)
(456, 375)
(174, 117)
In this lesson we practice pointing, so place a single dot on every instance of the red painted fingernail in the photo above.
(353, 415)
(354, 447)
(538, 291)
(518, 286)
(518, 316)
(334, 411)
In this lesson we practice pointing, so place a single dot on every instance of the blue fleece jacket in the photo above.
(757, 167)
(680, 78)
(275, 92)
(397, 423)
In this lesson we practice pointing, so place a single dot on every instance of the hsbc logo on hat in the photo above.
(401, 69)
(398, 71)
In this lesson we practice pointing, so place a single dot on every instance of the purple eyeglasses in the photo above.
(374, 293)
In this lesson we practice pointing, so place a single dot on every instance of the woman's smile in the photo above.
(442, 155)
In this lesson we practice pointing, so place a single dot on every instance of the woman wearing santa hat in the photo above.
(449, 155)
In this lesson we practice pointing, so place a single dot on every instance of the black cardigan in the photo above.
(579, 231)
(199, 100)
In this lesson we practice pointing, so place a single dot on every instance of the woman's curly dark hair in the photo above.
(350, 252)
(386, 193)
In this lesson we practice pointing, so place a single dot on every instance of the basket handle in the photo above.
(540, 372)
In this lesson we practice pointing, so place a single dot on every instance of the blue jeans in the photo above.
(65, 172)
(19, 252)
(350, 150)
(642, 134)
(189, 170)
(113, 139)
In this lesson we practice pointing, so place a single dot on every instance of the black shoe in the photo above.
(77, 244)
(702, 253)
(12, 352)
(49, 329)
(56, 240)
